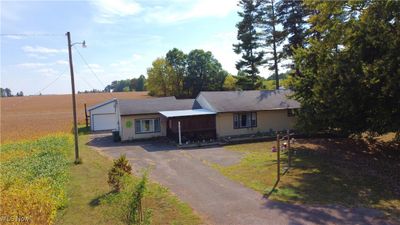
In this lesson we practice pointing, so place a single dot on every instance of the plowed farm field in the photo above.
(34, 116)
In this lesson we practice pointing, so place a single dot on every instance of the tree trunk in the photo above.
(274, 46)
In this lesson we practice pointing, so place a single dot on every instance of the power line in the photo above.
(42, 89)
(89, 85)
(90, 68)
(30, 35)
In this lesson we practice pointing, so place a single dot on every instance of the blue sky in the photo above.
(123, 38)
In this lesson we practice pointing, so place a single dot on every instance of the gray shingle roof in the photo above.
(154, 105)
(234, 101)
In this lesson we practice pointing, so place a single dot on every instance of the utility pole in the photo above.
(71, 68)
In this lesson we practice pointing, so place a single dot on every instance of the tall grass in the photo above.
(33, 175)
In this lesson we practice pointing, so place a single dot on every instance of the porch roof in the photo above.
(190, 112)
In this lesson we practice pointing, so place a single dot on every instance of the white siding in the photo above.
(104, 117)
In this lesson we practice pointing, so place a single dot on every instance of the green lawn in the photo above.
(90, 197)
(324, 172)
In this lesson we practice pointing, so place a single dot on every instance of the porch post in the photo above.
(179, 133)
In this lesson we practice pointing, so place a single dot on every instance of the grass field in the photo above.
(341, 171)
(38, 180)
(34, 116)
(40, 184)
(33, 178)
(91, 202)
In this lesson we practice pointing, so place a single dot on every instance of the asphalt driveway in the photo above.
(216, 198)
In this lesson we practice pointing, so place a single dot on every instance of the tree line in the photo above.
(135, 84)
(345, 54)
(6, 92)
(185, 75)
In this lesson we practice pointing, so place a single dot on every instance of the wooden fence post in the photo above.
(289, 155)
(86, 117)
(278, 156)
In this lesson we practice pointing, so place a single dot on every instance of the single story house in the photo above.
(212, 115)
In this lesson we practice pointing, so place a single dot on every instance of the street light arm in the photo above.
(81, 43)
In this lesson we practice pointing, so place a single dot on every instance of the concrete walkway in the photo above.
(216, 198)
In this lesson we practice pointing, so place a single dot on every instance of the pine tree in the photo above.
(249, 37)
(272, 36)
(293, 15)
(350, 68)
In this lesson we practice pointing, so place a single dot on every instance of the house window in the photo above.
(244, 120)
(290, 113)
(147, 125)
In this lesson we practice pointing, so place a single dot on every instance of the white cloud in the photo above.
(42, 50)
(48, 72)
(127, 64)
(14, 37)
(61, 62)
(31, 65)
(200, 8)
(112, 10)
(36, 56)
(136, 57)
(96, 68)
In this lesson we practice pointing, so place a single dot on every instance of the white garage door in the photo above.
(104, 122)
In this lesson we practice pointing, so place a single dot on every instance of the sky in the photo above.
(123, 38)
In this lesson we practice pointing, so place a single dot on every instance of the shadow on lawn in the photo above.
(344, 172)
(304, 214)
(97, 201)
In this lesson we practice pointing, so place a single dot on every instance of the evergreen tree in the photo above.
(140, 83)
(249, 37)
(293, 15)
(273, 37)
(350, 68)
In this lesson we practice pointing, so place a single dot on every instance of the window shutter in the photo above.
(157, 125)
(137, 126)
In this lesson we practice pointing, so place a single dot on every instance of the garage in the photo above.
(103, 117)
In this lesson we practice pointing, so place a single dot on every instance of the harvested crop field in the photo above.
(34, 116)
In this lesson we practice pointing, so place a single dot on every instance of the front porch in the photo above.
(190, 126)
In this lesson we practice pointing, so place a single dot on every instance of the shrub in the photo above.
(136, 214)
(120, 168)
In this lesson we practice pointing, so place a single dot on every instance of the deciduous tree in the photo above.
(177, 59)
(160, 78)
(205, 73)
(230, 83)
